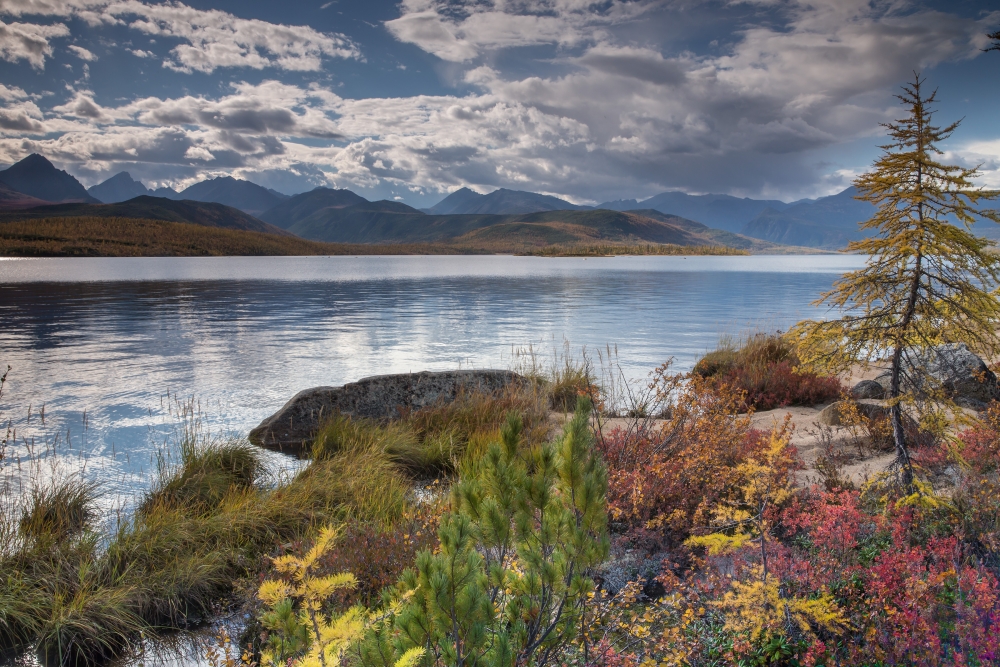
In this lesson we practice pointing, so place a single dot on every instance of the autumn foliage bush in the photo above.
(759, 571)
(665, 481)
(377, 555)
(764, 367)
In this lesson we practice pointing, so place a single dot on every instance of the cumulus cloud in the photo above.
(11, 93)
(746, 117)
(250, 128)
(28, 41)
(83, 106)
(983, 154)
(82, 53)
(612, 116)
(21, 118)
(210, 39)
(268, 108)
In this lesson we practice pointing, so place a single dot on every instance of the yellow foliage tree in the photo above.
(758, 606)
(927, 280)
(327, 636)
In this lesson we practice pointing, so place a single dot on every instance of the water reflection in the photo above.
(113, 348)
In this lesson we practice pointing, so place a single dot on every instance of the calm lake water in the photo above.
(113, 348)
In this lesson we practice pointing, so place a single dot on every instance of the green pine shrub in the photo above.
(509, 581)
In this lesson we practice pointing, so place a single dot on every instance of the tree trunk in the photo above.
(896, 411)
(896, 418)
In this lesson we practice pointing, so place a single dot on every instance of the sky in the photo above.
(590, 101)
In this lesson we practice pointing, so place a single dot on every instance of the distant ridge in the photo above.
(777, 227)
(719, 211)
(37, 177)
(299, 207)
(207, 214)
(828, 222)
(119, 187)
(166, 192)
(244, 195)
(500, 202)
(12, 199)
(393, 222)
(459, 201)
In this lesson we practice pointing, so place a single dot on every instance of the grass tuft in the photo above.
(206, 474)
(58, 511)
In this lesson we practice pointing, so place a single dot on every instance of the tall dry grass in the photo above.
(77, 590)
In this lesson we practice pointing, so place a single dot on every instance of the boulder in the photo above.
(293, 428)
(868, 389)
(971, 403)
(953, 368)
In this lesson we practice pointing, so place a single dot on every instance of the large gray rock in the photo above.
(868, 389)
(953, 368)
(293, 428)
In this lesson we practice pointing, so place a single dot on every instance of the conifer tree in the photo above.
(928, 279)
(995, 46)
(509, 583)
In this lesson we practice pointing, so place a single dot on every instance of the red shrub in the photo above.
(779, 384)
(764, 368)
(663, 483)
(980, 444)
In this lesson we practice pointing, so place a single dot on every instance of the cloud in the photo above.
(268, 108)
(210, 39)
(28, 41)
(460, 31)
(81, 53)
(83, 106)
(748, 117)
(601, 115)
(984, 154)
(21, 117)
(11, 93)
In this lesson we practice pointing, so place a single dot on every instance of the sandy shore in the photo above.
(810, 437)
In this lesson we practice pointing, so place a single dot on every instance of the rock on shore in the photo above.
(952, 367)
(293, 428)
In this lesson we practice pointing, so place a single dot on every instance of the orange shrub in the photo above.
(663, 483)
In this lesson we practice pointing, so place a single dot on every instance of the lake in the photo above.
(117, 349)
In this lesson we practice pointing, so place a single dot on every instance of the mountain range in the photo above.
(341, 215)
(244, 195)
(500, 202)
(146, 207)
(36, 177)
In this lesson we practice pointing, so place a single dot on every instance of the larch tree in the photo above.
(995, 46)
(928, 279)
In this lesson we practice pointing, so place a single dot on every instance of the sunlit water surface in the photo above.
(113, 348)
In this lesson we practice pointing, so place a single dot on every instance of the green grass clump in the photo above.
(452, 431)
(81, 596)
(433, 441)
(88, 626)
(58, 511)
(207, 473)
